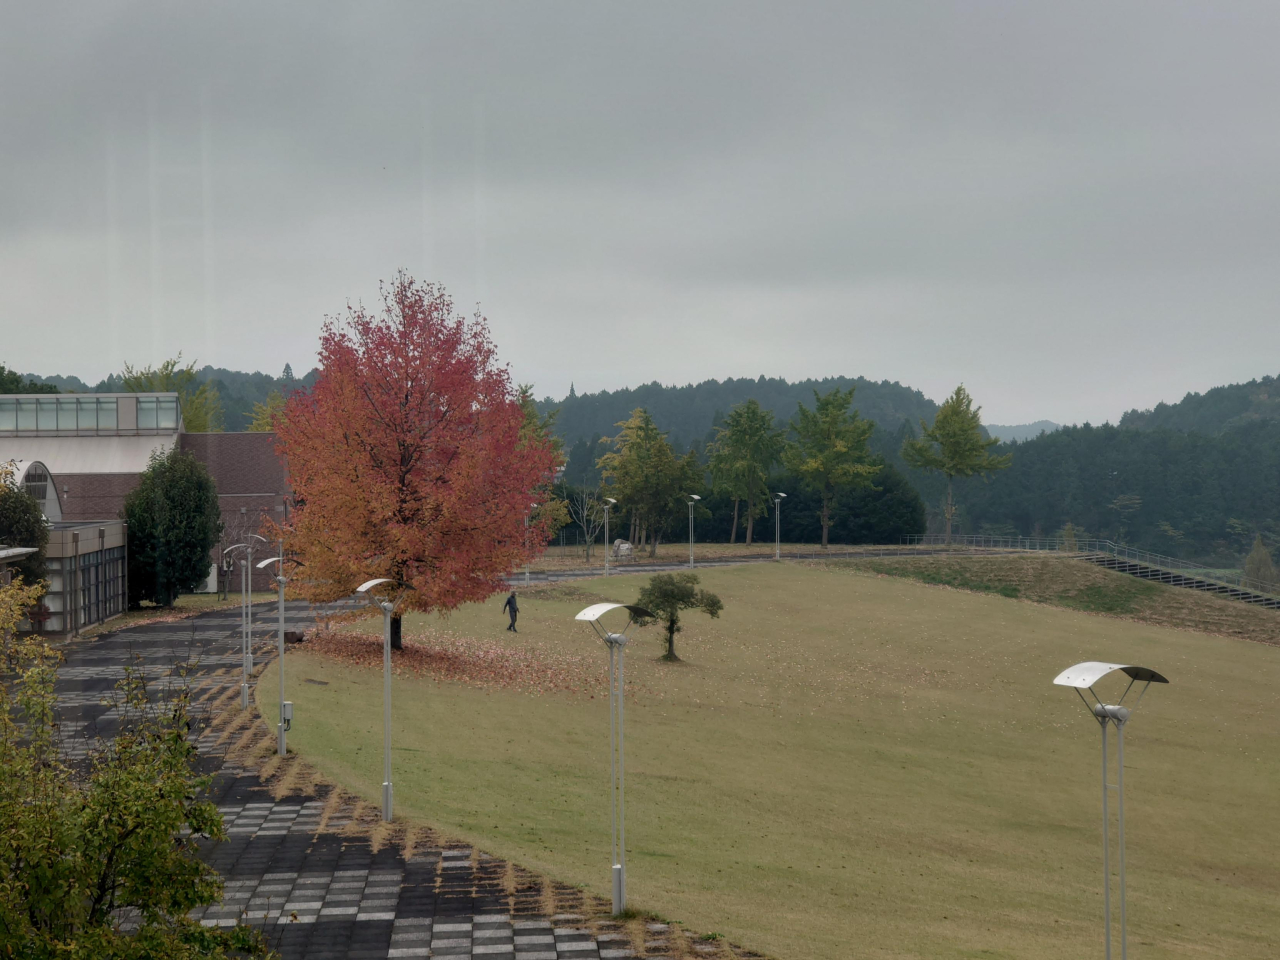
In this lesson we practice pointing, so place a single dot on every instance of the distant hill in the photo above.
(63, 384)
(689, 412)
(1021, 431)
(1213, 411)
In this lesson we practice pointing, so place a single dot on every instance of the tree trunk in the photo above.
(950, 511)
(733, 532)
(670, 655)
(653, 544)
(751, 519)
(826, 520)
(395, 632)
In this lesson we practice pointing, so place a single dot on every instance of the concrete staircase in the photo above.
(1174, 578)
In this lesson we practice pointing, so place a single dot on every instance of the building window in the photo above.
(67, 413)
(107, 414)
(167, 413)
(146, 413)
(48, 417)
(26, 414)
(36, 483)
(8, 414)
(87, 414)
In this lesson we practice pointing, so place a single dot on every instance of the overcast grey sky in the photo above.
(1074, 208)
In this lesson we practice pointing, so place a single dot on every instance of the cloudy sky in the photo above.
(1073, 208)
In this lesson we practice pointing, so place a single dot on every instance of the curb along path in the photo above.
(308, 868)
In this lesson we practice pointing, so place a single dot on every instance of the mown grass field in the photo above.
(846, 765)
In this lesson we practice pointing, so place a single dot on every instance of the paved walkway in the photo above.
(311, 882)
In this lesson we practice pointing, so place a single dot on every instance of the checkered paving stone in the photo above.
(316, 894)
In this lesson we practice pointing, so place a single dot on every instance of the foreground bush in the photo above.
(102, 863)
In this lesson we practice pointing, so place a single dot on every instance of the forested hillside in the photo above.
(689, 412)
(1181, 493)
(1214, 410)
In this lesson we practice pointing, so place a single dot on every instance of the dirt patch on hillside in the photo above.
(1078, 585)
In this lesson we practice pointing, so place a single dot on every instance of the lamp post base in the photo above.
(244, 696)
(386, 802)
(619, 889)
(281, 746)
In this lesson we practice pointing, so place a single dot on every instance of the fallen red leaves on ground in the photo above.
(467, 660)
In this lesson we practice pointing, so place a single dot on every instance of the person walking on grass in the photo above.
(510, 608)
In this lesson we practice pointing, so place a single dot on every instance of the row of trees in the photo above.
(823, 457)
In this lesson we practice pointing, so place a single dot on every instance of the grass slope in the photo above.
(1067, 582)
(848, 765)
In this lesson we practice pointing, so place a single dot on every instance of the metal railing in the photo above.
(1077, 546)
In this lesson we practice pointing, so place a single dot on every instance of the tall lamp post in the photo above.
(246, 602)
(387, 607)
(616, 642)
(286, 708)
(608, 502)
(532, 507)
(777, 525)
(693, 499)
(1082, 677)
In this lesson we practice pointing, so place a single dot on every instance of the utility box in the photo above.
(287, 714)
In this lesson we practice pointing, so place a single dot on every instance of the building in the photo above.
(83, 453)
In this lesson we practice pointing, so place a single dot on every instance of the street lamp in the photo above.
(246, 616)
(616, 642)
(1082, 677)
(286, 708)
(693, 498)
(608, 502)
(532, 507)
(777, 525)
(387, 607)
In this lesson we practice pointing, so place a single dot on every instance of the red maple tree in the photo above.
(408, 459)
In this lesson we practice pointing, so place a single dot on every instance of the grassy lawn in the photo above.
(847, 764)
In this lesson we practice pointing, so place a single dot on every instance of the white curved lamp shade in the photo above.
(370, 584)
(1084, 675)
(597, 610)
(267, 562)
(694, 496)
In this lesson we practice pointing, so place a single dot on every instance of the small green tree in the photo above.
(201, 404)
(666, 595)
(77, 849)
(954, 446)
(746, 448)
(16, 598)
(645, 474)
(830, 453)
(265, 414)
(1258, 564)
(22, 525)
(174, 522)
